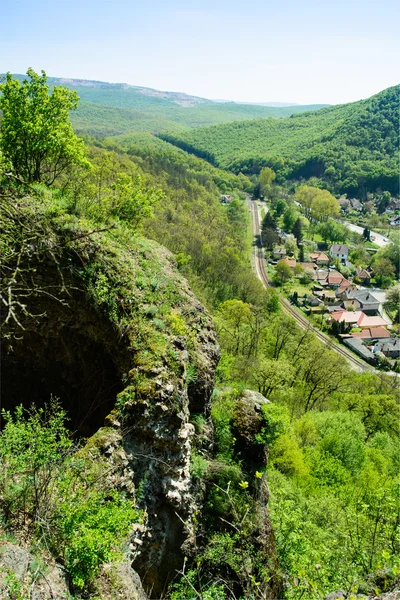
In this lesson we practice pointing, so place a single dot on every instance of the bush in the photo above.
(60, 494)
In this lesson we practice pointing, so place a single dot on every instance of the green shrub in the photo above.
(60, 494)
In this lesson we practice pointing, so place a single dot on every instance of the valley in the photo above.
(178, 419)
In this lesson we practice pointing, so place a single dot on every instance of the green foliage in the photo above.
(36, 135)
(350, 148)
(283, 272)
(275, 422)
(60, 494)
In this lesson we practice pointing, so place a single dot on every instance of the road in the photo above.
(376, 238)
(259, 266)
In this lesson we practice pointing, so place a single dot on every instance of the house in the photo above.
(365, 321)
(344, 316)
(322, 276)
(356, 204)
(369, 300)
(358, 319)
(335, 279)
(340, 251)
(346, 287)
(313, 301)
(394, 221)
(390, 348)
(373, 333)
(319, 258)
(291, 262)
(308, 265)
(352, 304)
(344, 204)
(356, 344)
(363, 275)
(225, 198)
(279, 253)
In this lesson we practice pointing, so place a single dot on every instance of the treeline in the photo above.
(347, 148)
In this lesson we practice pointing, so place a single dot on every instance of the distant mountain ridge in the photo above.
(109, 109)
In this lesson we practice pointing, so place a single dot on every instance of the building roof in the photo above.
(357, 345)
(353, 303)
(319, 256)
(364, 296)
(291, 262)
(344, 316)
(345, 288)
(339, 249)
(336, 278)
(308, 265)
(367, 321)
(373, 333)
(362, 273)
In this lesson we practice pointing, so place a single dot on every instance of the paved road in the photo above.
(376, 238)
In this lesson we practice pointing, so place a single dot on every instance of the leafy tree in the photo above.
(317, 204)
(234, 325)
(383, 267)
(331, 231)
(267, 176)
(280, 208)
(36, 135)
(360, 257)
(290, 217)
(393, 301)
(283, 272)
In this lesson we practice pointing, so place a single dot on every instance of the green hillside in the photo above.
(351, 147)
(113, 109)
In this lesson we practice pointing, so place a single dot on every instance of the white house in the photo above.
(340, 251)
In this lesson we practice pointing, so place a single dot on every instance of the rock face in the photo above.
(120, 329)
(157, 436)
(20, 572)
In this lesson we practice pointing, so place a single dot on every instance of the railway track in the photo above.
(259, 265)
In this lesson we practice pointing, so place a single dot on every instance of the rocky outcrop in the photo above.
(121, 334)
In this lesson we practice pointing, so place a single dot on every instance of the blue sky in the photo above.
(256, 51)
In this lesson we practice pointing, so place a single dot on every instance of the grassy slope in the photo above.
(343, 137)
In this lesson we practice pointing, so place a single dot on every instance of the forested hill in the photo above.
(113, 109)
(353, 147)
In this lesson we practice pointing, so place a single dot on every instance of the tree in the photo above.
(280, 208)
(317, 204)
(331, 231)
(289, 218)
(383, 268)
(268, 221)
(297, 230)
(283, 272)
(393, 301)
(267, 176)
(36, 135)
(269, 238)
(290, 246)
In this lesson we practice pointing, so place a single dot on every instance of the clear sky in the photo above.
(303, 51)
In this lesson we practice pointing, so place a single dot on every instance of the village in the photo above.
(346, 306)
